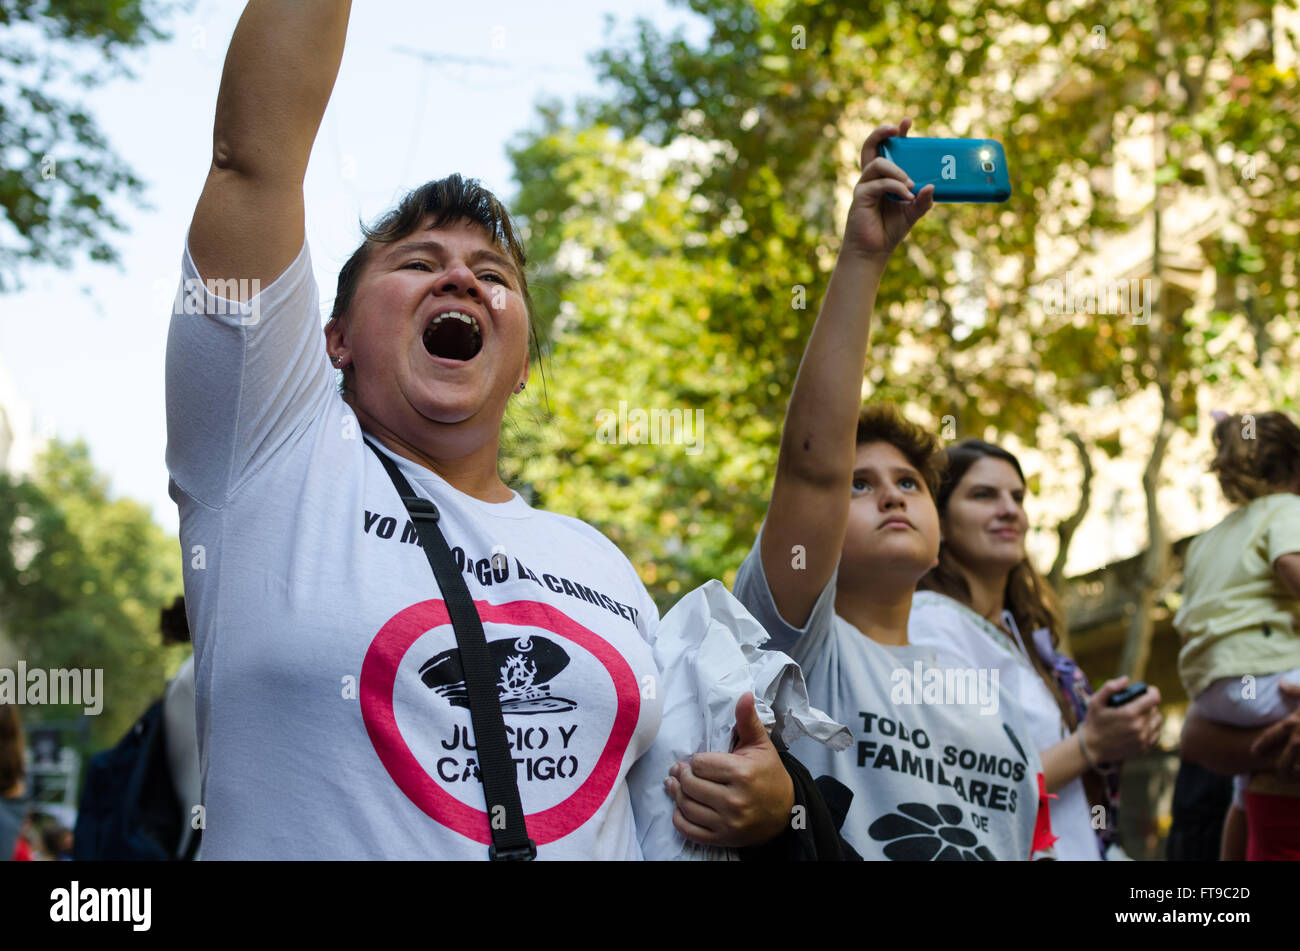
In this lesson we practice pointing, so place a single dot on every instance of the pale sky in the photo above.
(85, 348)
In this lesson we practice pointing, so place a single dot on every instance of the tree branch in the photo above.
(1066, 529)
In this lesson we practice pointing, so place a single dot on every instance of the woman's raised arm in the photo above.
(278, 76)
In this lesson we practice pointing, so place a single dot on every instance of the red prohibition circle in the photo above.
(379, 677)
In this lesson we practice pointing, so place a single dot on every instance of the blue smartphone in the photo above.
(965, 170)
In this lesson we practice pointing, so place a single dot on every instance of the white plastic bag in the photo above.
(708, 655)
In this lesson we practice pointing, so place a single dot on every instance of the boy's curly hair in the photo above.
(1255, 454)
(882, 422)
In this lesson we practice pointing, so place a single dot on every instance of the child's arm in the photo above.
(735, 799)
(1287, 569)
(814, 473)
(1223, 749)
(1232, 848)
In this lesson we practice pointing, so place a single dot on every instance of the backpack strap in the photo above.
(496, 766)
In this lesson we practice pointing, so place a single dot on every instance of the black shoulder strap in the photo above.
(496, 767)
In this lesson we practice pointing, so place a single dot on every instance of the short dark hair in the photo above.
(1260, 463)
(449, 200)
(882, 422)
(173, 624)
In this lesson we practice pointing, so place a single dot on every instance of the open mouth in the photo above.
(453, 336)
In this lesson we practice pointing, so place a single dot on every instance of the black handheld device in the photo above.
(1129, 693)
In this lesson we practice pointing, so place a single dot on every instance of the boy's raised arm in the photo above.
(809, 509)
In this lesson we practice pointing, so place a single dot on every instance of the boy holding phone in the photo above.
(851, 528)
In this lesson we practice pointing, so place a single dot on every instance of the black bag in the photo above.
(129, 810)
(825, 803)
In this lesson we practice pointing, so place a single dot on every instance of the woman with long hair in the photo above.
(984, 603)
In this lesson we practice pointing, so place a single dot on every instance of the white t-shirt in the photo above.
(930, 781)
(332, 719)
(183, 751)
(950, 626)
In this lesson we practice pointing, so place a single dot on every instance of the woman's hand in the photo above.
(876, 224)
(1283, 738)
(734, 799)
(1111, 734)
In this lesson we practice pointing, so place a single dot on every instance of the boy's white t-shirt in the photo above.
(332, 719)
(930, 781)
(950, 626)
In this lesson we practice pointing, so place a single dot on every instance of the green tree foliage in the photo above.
(778, 100)
(57, 170)
(82, 580)
(634, 275)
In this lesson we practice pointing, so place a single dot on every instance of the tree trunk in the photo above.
(1155, 560)
(1066, 529)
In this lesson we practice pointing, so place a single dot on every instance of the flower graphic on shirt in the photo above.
(525, 666)
(919, 833)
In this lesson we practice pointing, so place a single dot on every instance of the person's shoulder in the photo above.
(571, 523)
(1209, 542)
(1278, 504)
(608, 557)
(934, 601)
(573, 526)
(944, 623)
(750, 577)
(932, 609)
(220, 297)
